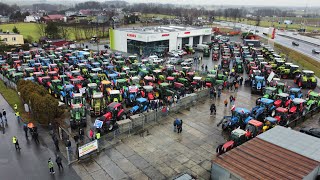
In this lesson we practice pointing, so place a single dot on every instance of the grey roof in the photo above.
(159, 29)
(295, 141)
(10, 33)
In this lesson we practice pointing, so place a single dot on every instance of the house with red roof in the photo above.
(54, 18)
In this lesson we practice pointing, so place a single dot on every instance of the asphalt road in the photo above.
(303, 48)
(31, 163)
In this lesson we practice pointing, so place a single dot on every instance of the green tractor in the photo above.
(165, 93)
(94, 78)
(221, 79)
(289, 71)
(91, 89)
(17, 76)
(184, 81)
(97, 104)
(55, 88)
(239, 66)
(77, 98)
(306, 79)
(210, 80)
(281, 87)
(78, 116)
(313, 101)
(206, 52)
(189, 49)
(269, 92)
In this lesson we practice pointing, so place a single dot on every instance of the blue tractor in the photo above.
(239, 118)
(264, 108)
(67, 93)
(141, 106)
(258, 84)
(295, 93)
(45, 62)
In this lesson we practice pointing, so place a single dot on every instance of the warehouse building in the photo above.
(279, 153)
(146, 40)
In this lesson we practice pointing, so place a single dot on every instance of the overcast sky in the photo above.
(287, 3)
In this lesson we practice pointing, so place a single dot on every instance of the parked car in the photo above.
(311, 131)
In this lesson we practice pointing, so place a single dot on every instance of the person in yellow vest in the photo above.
(16, 143)
(15, 107)
(18, 116)
(98, 135)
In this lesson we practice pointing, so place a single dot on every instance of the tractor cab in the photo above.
(297, 108)
(29, 71)
(269, 92)
(306, 80)
(77, 83)
(38, 67)
(148, 80)
(269, 123)
(77, 98)
(132, 59)
(294, 70)
(134, 80)
(106, 87)
(197, 81)
(183, 81)
(91, 89)
(237, 137)
(113, 77)
(78, 116)
(114, 113)
(53, 67)
(313, 100)
(282, 99)
(258, 84)
(56, 87)
(239, 66)
(279, 62)
(281, 87)
(17, 76)
(170, 80)
(95, 65)
(141, 106)
(281, 116)
(31, 62)
(295, 93)
(53, 75)
(215, 55)
(115, 96)
(267, 69)
(44, 80)
(148, 92)
(97, 70)
(210, 80)
(97, 104)
(94, 78)
(254, 128)
(239, 117)
(254, 73)
(121, 84)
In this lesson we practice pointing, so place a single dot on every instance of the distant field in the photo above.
(265, 23)
(32, 30)
(24, 28)
(157, 15)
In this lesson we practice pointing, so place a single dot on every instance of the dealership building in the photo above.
(146, 40)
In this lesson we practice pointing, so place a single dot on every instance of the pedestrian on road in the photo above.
(56, 143)
(91, 134)
(4, 113)
(225, 102)
(50, 165)
(68, 144)
(50, 127)
(36, 137)
(179, 126)
(231, 100)
(1, 117)
(25, 128)
(15, 107)
(213, 108)
(59, 162)
(241, 80)
(16, 143)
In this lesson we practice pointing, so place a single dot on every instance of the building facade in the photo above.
(150, 39)
(32, 18)
(11, 38)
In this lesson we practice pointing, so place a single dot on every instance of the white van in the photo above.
(201, 47)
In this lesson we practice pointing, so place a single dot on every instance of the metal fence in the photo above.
(301, 119)
(8, 83)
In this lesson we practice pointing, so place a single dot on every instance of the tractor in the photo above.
(55, 88)
(290, 71)
(105, 87)
(115, 96)
(210, 80)
(282, 116)
(281, 87)
(257, 84)
(132, 59)
(114, 112)
(97, 104)
(148, 81)
(269, 122)
(53, 67)
(282, 100)
(269, 92)
(254, 128)
(148, 93)
(215, 56)
(66, 93)
(295, 93)
(264, 108)
(306, 79)
(297, 108)
(239, 117)
(141, 105)
(28, 72)
(313, 101)
(239, 66)
(189, 49)
(77, 98)
(53, 75)
(77, 83)
(237, 137)
(94, 78)
(17, 76)
(91, 89)
(197, 82)
(131, 95)
(78, 116)
(206, 52)
(220, 79)
(165, 93)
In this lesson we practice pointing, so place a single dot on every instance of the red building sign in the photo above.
(163, 35)
(131, 35)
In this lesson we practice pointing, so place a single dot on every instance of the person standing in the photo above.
(25, 128)
(16, 143)
(59, 162)
(4, 113)
(91, 134)
(56, 143)
(241, 80)
(225, 103)
(179, 126)
(50, 165)
(231, 100)
(213, 108)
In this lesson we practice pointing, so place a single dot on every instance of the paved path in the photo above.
(31, 162)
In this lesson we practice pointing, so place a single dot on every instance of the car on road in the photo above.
(294, 43)
(315, 51)
(311, 131)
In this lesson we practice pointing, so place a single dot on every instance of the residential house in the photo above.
(85, 12)
(71, 13)
(55, 18)
(100, 19)
(4, 19)
(11, 38)
(32, 18)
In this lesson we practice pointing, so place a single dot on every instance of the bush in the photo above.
(43, 106)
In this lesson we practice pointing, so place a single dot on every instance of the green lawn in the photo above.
(24, 28)
(157, 15)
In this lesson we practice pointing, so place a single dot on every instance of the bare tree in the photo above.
(41, 29)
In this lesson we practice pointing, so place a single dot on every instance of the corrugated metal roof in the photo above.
(259, 159)
(295, 141)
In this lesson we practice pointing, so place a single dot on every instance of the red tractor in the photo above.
(115, 112)
(77, 83)
(282, 116)
(53, 75)
(215, 56)
(282, 100)
(297, 108)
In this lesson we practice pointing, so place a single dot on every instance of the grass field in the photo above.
(157, 15)
(265, 23)
(13, 98)
(31, 29)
